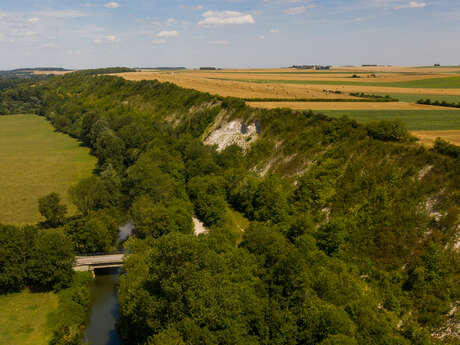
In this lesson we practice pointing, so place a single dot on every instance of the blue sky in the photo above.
(227, 33)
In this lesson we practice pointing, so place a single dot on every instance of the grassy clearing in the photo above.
(238, 223)
(35, 161)
(27, 318)
(421, 120)
(429, 83)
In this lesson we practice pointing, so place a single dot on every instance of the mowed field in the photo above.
(407, 84)
(27, 318)
(35, 161)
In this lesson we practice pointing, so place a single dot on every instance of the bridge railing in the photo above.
(101, 253)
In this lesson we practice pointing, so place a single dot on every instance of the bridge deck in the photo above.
(89, 263)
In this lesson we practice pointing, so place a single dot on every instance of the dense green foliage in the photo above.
(107, 70)
(36, 258)
(352, 228)
(51, 208)
(72, 311)
(375, 98)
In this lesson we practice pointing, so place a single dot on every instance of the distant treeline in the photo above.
(101, 71)
(375, 98)
(164, 68)
(439, 103)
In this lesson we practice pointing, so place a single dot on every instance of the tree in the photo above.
(93, 193)
(97, 232)
(51, 261)
(15, 246)
(51, 208)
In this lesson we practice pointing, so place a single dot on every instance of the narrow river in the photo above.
(104, 309)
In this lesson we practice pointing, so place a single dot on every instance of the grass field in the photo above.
(415, 120)
(27, 318)
(35, 161)
(350, 106)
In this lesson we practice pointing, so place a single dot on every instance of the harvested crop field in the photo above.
(301, 84)
(230, 88)
(428, 137)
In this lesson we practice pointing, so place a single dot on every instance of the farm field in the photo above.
(35, 161)
(413, 82)
(413, 98)
(428, 137)
(27, 318)
(407, 84)
(418, 120)
(349, 106)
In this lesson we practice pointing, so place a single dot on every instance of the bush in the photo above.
(388, 131)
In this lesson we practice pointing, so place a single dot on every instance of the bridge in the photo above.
(103, 260)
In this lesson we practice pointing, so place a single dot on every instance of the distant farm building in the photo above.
(208, 68)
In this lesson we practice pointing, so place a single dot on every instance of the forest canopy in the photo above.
(351, 236)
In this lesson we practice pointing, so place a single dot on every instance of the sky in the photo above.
(227, 33)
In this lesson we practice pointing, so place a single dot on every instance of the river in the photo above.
(104, 309)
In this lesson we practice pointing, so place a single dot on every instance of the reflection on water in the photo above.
(104, 309)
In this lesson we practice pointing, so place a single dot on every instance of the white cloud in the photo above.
(214, 18)
(411, 4)
(274, 31)
(112, 5)
(106, 39)
(172, 33)
(33, 20)
(158, 41)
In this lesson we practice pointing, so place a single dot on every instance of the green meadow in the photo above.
(35, 160)
(27, 318)
(415, 120)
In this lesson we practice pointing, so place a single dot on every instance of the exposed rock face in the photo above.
(199, 227)
(233, 132)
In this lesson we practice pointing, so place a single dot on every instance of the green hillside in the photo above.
(352, 227)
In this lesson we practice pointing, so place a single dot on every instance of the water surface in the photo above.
(104, 309)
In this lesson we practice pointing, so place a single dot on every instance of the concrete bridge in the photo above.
(91, 262)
